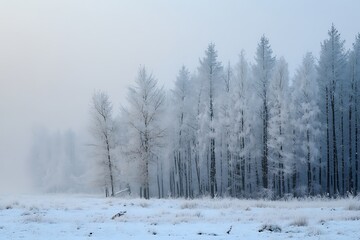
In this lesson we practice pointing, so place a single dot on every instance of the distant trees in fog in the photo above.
(55, 162)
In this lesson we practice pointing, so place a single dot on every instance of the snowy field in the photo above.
(93, 217)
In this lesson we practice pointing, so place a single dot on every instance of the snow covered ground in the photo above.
(90, 217)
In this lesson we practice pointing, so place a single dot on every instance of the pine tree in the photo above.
(353, 117)
(225, 130)
(240, 166)
(306, 118)
(210, 73)
(331, 72)
(279, 135)
(262, 70)
(183, 134)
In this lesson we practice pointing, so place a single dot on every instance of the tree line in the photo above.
(245, 130)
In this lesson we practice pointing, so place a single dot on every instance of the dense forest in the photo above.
(242, 130)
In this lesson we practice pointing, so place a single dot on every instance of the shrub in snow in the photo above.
(152, 231)
(322, 221)
(188, 205)
(352, 218)
(261, 205)
(270, 228)
(314, 232)
(8, 207)
(300, 222)
(353, 206)
(35, 218)
(33, 209)
(144, 204)
(26, 213)
(198, 214)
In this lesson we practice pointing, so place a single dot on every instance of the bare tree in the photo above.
(102, 130)
(145, 106)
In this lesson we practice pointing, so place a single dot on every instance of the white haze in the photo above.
(54, 54)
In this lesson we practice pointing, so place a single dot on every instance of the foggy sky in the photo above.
(54, 54)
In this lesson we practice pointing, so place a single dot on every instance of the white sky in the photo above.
(54, 54)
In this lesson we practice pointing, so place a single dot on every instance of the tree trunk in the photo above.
(213, 189)
(335, 157)
(327, 143)
(350, 179)
(309, 183)
(320, 171)
(342, 152)
(264, 163)
(213, 185)
(110, 166)
(197, 166)
(356, 147)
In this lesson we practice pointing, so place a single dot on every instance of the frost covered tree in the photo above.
(279, 130)
(182, 135)
(103, 132)
(239, 164)
(306, 120)
(224, 132)
(353, 117)
(198, 92)
(331, 70)
(262, 71)
(210, 73)
(145, 100)
(245, 131)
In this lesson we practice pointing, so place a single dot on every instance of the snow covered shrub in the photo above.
(144, 204)
(261, 205)
(314, 232)
(99, 219)
(288, 196)
(198, 214)
(352, 218)
(33, 209)
(34, 218)
(26, 213)
(188, 205)
(152, 231)
(270, 228)
(8, 207)
(322, 221)
(353, 206)
(300, 222)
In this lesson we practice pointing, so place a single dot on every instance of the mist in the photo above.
(55, 54)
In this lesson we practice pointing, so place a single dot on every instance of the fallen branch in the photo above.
(209, 234)
(228, 231)
(119, 214)
(124, 190)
